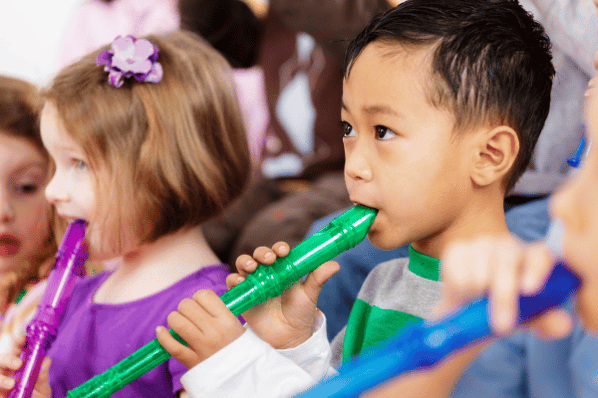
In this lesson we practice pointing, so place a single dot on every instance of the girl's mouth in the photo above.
(9, 245)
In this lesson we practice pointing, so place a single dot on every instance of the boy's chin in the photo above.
(379, 241)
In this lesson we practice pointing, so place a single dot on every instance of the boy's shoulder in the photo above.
(392, 285)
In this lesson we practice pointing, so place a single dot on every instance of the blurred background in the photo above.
(30, 35)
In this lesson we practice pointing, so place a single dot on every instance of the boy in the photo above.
(442, 105)
(523, 365)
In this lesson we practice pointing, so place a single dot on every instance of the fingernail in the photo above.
(268, 256)
(240, 279)
(250, 263)
(8, 383)
(15, 362)
(159, 329)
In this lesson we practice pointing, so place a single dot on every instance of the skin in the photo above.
(394, 138)
(24, 211)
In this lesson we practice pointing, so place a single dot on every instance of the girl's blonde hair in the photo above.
(175, 151)
(20, 104)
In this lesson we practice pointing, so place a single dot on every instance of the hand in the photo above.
(504, 269)
(285, 321)
(10, 362)
(205, 323)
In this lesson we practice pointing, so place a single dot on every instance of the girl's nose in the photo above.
(55, 193)
(7, 213)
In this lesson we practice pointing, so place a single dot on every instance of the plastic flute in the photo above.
(425, 345)
(42, 330)
(341, 234)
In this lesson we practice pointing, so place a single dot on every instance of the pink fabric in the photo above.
(95, 23)
(251, 92)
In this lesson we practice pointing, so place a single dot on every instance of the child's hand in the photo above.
(285, 321)
(11, 362)
(205, 323)
(503, 269)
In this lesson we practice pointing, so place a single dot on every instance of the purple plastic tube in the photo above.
(42, 330)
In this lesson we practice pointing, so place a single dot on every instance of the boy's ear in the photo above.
(496, 152)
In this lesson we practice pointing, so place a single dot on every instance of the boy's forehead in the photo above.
(390, 67)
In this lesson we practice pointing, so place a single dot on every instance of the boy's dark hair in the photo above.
(491, 63)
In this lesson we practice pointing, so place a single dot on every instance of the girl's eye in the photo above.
(80, 165)
(347, 129)
(384, 133)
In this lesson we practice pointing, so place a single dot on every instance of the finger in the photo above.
(264, 255)
(315, 280)
(193, 312)
(553, 325)
(10, 362)
(6, 382)
(245, 264)
(19, 344)
(538, 264)
(504, 288)
(211, 303)
(233, 280)
(454, 275)
(180, 352)
(42, 385)
(281, 249)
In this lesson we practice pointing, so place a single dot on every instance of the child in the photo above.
(523, 365)
(146, 147)
(442, 105)
(27, 245)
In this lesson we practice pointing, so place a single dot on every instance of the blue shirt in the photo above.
(523, 365)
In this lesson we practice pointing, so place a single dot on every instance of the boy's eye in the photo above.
(347, 129)
(384, 133)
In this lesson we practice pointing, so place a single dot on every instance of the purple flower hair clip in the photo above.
(131, 57)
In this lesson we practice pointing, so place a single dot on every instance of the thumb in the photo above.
(42, 386)
(315, 280)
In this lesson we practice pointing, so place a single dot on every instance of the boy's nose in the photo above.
(357, 165)
(55, 193)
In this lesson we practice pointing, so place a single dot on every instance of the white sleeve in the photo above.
(250, 367)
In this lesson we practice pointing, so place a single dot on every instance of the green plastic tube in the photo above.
(341, 234)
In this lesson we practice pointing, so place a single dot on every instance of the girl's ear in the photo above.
(495, 155)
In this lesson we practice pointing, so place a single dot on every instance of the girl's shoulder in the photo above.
(212, 277)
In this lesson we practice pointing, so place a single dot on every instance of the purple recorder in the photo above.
(42, 330)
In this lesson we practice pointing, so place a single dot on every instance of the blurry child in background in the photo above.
(148, 143)
(27, 245)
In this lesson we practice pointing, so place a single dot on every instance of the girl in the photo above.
(27, 244)
(148, 143)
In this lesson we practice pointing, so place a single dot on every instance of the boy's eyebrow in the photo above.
(374, 109)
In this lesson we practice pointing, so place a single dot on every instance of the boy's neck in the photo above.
(483, 216)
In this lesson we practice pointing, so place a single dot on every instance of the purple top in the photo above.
(107, 333)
